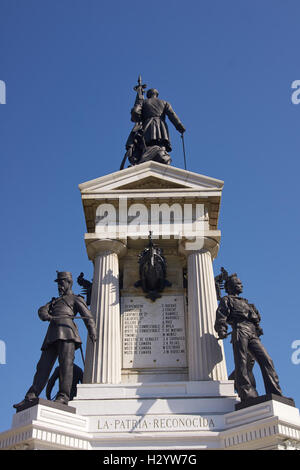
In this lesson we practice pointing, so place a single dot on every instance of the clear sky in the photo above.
(69, 67)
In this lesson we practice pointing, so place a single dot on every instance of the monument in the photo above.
(155, 373)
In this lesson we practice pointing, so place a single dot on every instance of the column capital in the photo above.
(209, 242)
(96, 246)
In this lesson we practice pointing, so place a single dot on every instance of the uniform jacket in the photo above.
(152, 112)
(235, 310)
(65, 329)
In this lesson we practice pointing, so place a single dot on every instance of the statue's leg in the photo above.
(266, 365)
(250, 365)
(43, 370)
(240, 339)
(66, 351)
(163, 157)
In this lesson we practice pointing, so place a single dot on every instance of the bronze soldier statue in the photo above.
(244, 319)
(149, 139)
(61, 340)
(152, 113)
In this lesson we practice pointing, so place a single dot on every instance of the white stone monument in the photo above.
(156, 377)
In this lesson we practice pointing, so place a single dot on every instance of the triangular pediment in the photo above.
(152, 182)
(148, 182)
(147, 176)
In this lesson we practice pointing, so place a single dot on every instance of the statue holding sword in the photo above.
(61, 340)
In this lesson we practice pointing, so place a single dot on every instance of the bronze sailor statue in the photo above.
(244, 319)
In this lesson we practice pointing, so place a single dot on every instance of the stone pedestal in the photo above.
(267, 426)
(43, 427)
(163, 416)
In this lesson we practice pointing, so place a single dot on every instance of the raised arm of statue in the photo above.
(174, 118)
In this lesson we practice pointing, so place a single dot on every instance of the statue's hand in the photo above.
(222, 334)
(93, 337)
(181, 128)
(43, 313)
(46, 317)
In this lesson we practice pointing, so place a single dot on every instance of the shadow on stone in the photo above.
(209, 342)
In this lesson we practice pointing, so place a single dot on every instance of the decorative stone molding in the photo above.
(97, 246)
(209, 242)
(290, 444)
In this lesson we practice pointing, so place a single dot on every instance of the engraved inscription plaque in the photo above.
(159, 422)
(153, 333)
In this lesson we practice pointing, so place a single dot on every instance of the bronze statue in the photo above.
(61, 340)
(152, 270)
(149, 139)
(244, 319)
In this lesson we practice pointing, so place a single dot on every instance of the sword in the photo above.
(82, 356)
(183, 146)
(67, 316)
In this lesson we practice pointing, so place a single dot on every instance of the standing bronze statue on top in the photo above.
(244, 319)
(149, 139)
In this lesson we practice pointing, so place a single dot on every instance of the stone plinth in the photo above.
(261, 399)
(46, 428)
(163, 416)
(271, 425)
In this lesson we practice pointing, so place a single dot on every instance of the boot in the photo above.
(29, 397)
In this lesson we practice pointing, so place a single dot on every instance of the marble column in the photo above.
(206, 360)
(103, 359)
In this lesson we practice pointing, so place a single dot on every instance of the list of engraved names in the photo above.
(153, 333)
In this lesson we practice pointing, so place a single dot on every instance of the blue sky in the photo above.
(69, 67)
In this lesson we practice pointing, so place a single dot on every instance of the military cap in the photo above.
(63, 275)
